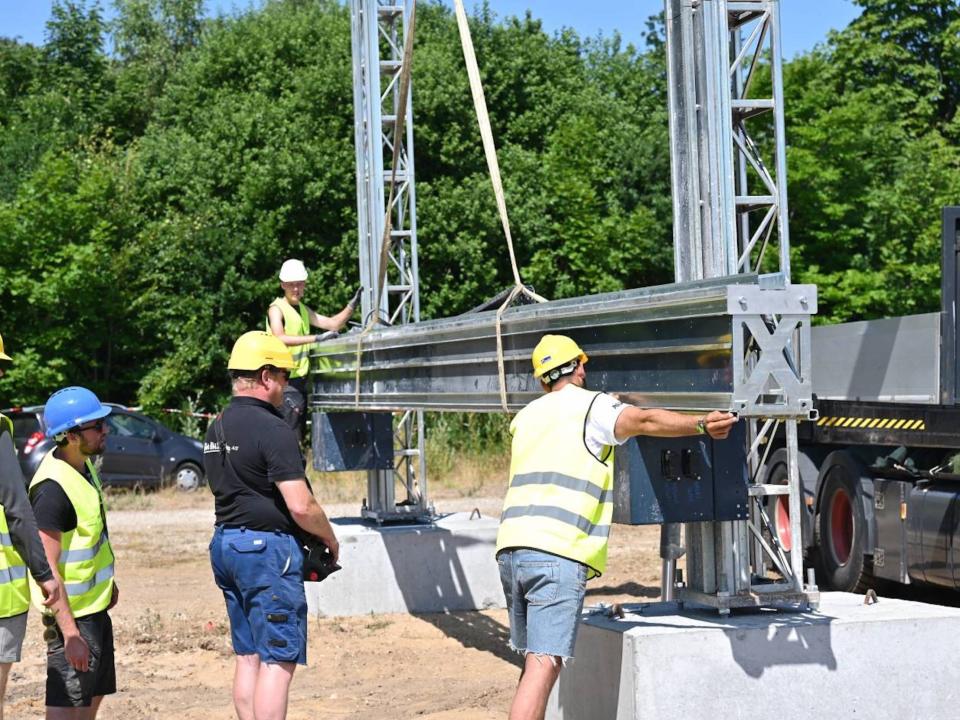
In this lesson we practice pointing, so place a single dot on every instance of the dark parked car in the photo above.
(140, 451)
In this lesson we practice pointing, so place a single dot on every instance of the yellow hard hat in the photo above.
(553, 351)
(3, 355)
(256, 348)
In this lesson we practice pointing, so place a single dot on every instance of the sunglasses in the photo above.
(49, 620)
(97, 425)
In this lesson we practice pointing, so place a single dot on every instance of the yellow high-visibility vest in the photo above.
(86, 558)
(14, 590)
(296, 322)
(560, 498)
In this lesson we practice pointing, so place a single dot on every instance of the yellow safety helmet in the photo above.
(3, 355)
(256, 348)
(553, 351)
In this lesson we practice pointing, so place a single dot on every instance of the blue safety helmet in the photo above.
(70, 407)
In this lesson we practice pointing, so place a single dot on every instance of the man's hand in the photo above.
(329, 334)
(333, 547)
(76, 651)
(355, 300)
(51, 591)
(718, 424)
(114, 596)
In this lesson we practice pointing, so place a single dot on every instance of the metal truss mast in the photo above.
(379, 30)
(728, 159)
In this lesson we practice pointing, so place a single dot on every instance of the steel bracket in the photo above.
(771, 349)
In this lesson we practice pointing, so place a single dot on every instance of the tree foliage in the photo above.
(157, 168)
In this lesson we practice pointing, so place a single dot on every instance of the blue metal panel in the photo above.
(352, 441)
(676, 480)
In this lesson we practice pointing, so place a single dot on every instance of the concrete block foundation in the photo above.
(446, 566)
(892, 660)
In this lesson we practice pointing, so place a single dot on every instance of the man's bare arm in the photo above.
(335, 322)
(275, 315)
(666, 423)
(74, 646)
(308, 514)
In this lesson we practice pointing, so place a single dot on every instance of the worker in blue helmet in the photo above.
(68, 503)
(20, 551)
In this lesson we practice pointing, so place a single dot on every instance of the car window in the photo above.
(129, 426)
(24, 426)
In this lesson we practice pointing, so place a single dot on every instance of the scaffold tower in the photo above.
(379, 29)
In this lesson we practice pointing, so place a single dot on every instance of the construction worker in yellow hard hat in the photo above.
(20, 550)
(289, 319)
(263, 504)
(558, 509)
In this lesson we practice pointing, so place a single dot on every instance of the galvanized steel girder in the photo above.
(682, 346)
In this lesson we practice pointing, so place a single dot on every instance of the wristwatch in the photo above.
(702, 426)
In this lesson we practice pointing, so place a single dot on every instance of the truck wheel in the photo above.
(778, 510)
(842, 533)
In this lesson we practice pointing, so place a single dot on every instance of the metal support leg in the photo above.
(671, 550)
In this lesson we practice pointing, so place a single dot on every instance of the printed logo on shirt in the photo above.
(213, 447)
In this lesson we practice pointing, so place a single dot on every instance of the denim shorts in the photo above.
(261, 576)
(544, 599)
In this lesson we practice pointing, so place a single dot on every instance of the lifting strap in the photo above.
(490, 150)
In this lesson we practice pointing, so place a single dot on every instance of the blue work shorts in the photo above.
(261, 576)
(544, 600)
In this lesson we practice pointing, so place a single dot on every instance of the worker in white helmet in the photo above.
(290, 320)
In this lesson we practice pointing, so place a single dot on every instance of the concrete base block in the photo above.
(895, 659)
(448, 565)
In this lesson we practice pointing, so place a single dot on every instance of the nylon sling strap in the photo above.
(493, 165)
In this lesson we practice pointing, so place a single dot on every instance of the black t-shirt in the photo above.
(53, 508)
(262, 451)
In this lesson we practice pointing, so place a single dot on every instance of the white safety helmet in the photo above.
(292, 271)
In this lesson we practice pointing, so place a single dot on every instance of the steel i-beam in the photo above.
(678, 346)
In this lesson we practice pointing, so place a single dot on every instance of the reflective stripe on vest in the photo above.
(81, 554)
(86, 558)
(14, 589)
(560, 498)
(296, 323)
(79, 588)
(12, 574)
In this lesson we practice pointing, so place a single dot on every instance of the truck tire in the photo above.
(842, 533)
(778, 510)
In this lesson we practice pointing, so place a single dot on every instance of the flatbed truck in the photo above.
(880, 467)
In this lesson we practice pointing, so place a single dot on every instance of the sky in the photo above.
(803, 23)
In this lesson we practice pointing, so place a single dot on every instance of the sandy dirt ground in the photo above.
(173, 649)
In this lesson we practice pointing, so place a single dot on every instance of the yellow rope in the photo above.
(493, 165)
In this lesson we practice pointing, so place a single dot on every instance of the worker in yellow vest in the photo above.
(559, 506)
(289, 319)
(20, 550)
(68, 503)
